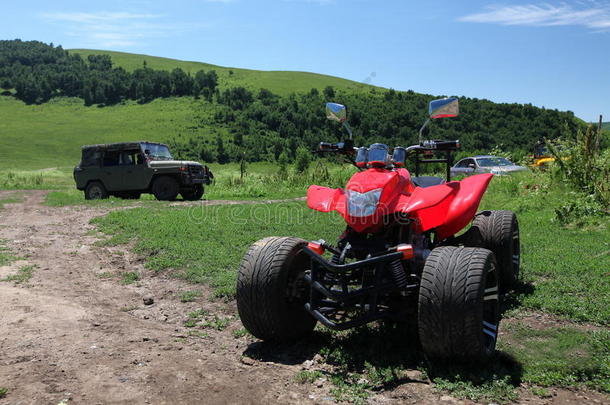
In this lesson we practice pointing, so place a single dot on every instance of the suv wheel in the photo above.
(193, 194)
(165, 188)
(95, 191)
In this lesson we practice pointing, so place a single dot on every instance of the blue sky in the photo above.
(551, 54)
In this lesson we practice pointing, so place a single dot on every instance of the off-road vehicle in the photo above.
(400, 257)
(128, 169)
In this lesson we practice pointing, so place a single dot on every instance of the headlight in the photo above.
(362, 204)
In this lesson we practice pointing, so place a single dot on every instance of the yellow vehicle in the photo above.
(542, 157)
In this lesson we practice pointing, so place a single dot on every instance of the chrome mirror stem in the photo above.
(421, 131)
(348, 129)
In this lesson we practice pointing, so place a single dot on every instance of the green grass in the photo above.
(10, 199)
(3, 392)
(564, 269)
(76, 197)
(189, 296)
(239, 333)
(24, 274)
(47, 179)
(308, 377)
(50, 135)
(280, 82)
(129, 277)
(202, 319)
(560, 356)
(207, 243)
(6, 257)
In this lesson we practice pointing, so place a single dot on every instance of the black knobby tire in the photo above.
(95, 191)
(499, 231)
(165, 188)
(271, 292)
(194, 194)
(458, 308)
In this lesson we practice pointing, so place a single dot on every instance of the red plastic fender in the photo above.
(326, 199)
(464, 205)
(447, 207)
(423, 197)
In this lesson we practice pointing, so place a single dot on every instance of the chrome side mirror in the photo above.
(443, 108)
(338, 112)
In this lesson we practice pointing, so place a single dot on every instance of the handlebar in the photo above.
(346, 147)
(441, 145)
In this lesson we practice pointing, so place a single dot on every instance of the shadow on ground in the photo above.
(382, 354)
(514, 299)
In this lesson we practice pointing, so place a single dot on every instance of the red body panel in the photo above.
(447, 208)
(326, 199)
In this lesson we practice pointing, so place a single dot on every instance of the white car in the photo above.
(485, 164)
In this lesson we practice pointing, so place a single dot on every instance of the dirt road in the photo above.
(74, 334)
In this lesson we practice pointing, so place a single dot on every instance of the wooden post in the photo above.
(599, 134)
(242, 166)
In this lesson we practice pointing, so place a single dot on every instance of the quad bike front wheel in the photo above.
(271, 291)
(499, 232)
(458, 309)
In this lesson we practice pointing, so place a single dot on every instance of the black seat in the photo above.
(427, 181)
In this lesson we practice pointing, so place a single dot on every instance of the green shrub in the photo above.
(582, 166)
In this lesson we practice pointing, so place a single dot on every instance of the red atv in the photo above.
(399, 256)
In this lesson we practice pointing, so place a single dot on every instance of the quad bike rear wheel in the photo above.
(271, 292)
(458, 309)
(499, 232)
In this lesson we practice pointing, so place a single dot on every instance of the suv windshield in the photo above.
(156, 151)
(494, 161)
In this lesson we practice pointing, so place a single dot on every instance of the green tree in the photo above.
(181, 83)
(302, 159)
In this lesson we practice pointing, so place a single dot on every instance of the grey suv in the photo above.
(129, 169)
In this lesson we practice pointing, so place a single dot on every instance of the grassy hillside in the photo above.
(280, 82)
(606, 126)
(51, 134)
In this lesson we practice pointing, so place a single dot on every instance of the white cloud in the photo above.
(110, 29)
(96, 17)
(593, 15)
